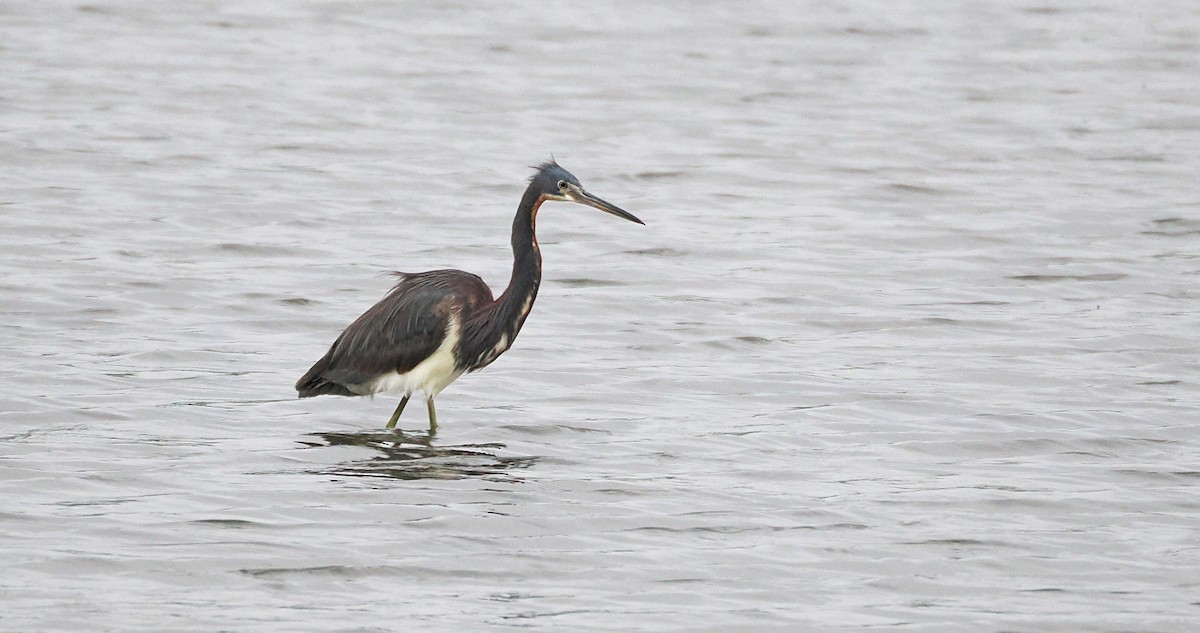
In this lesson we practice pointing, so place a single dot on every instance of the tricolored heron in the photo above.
(434, 326)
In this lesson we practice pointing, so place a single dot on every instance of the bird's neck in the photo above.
(492, 331)
(527, 263)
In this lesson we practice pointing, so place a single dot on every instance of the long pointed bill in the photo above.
(583, 197)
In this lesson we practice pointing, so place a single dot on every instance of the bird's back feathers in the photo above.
(401, 330)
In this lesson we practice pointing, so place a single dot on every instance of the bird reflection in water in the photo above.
(410, 455)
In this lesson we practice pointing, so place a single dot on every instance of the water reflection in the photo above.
(412, 455)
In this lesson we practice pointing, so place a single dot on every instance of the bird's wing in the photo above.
(404, 328)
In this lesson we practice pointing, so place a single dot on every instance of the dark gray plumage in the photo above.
(396, 334)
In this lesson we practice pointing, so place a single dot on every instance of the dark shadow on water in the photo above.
(409, 455)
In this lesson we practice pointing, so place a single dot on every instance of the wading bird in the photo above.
(434, 326)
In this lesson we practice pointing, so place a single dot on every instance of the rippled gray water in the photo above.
(909, 341)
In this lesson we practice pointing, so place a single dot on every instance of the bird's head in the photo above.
(555, 183)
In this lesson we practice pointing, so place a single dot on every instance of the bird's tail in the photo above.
(313, 382)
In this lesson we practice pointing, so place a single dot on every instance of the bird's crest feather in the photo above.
(544, 166)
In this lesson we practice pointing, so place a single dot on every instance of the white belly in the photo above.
(431, 376)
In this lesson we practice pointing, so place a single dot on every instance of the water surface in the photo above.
(909, 341)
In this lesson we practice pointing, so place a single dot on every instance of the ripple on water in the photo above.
(1065, 277)
(584, 282)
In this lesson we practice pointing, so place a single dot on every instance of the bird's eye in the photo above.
(562, 185)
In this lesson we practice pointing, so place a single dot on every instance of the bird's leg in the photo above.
(396, 416)
(432, 415)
